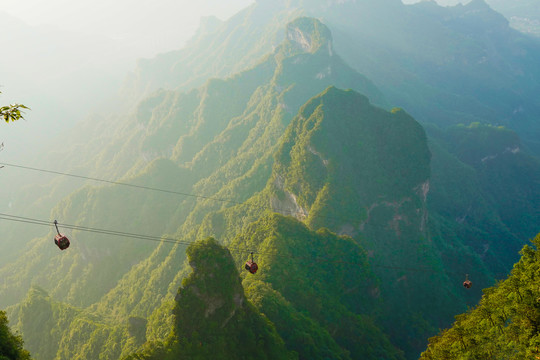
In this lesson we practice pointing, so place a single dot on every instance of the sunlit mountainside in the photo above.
(367, 155)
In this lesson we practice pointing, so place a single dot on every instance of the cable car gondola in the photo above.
(251, 266)
(467, 283)
(60, 240)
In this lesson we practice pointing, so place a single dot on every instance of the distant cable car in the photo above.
(467, 283)
(60, 240)
(251, 266)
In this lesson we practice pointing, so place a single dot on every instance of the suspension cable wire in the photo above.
(318, 259)
(142, 187)
(186, 194)
(178, 241)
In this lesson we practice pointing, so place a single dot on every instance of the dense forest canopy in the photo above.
(369, 154)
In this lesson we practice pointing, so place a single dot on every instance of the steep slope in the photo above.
(342, 164)
(505, 323)
(219, 49)
(497, 205)
(212, 317)
(341, 296)
(11, 346)
(236, 163)
(328, 317)
(58, 330)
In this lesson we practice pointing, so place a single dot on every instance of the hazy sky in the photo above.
(63, 75)
(159, 25)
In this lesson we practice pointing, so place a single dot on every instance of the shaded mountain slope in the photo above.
(445, 65)
(505, 323)
(58, 330)
(329, 317)
(496, 207)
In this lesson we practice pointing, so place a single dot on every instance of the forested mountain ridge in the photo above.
(280, 137)
(290, 304)
(445, 65)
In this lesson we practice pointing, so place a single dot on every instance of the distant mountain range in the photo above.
(524, 15)
(444, 65)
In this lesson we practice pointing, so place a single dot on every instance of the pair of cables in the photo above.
(169, 240)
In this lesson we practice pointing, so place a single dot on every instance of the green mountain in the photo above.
(325, 318)
(242, 146)
(498, 178)
(379, 222)
(505, 323)
(377, 196)
(321, 308)
(212, 316)
(244, 116)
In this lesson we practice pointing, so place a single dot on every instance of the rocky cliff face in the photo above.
(339, 141)
(213, 318)
(309, 35)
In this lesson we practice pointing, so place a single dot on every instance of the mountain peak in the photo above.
(308, 35)
(478, 4)
(342, 124)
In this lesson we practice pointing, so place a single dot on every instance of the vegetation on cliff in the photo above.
(506, 322)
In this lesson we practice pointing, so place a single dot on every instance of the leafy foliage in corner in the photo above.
(11, 346)
(12, 112)
(506, 323)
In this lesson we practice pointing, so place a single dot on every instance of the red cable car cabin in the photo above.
(61, 241)
(251, 266)
(467, 283)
